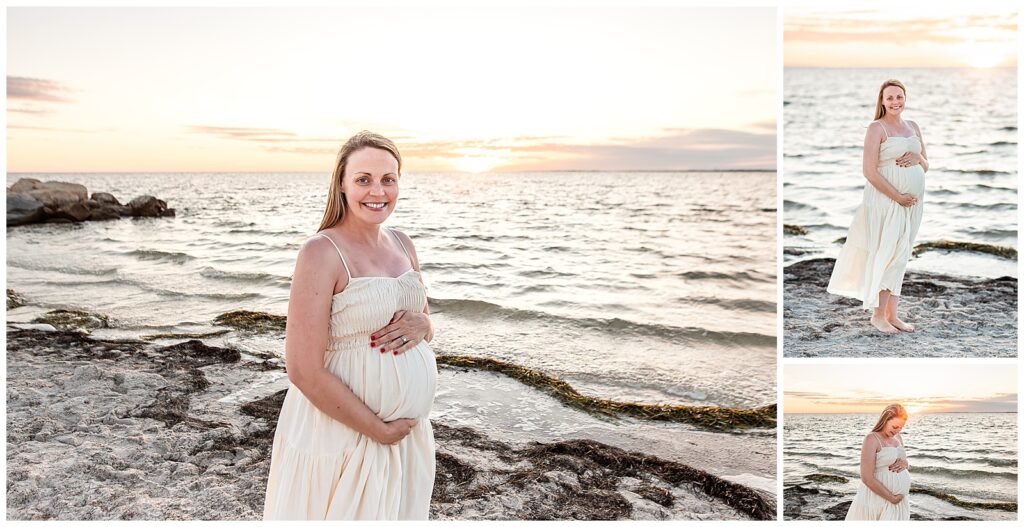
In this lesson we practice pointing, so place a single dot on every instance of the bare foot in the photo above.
(883, 325)
(901, 325)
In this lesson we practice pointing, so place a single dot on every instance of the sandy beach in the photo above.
(954, 317)
(126, 429)
(816, 498)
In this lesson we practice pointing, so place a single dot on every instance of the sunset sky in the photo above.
(279, 89)
(903, 36)
(921, 388)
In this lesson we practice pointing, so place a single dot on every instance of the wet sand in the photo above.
(105, 429)
(954, 317)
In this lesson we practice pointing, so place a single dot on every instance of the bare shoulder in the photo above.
(318, 249)
(318, 261)
(875, 131)
(916, 128)
(407, 242)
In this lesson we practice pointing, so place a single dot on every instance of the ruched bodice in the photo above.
(393, 386)
(320, 468)
(881, 237)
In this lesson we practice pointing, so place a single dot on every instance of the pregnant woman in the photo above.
(872, 262)
(884, 478)
(353, 440)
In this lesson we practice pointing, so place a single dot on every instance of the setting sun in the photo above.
(984, 54)
(479, 160)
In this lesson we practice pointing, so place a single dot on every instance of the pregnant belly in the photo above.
(393, 386)
(908, 180)
(896, 482)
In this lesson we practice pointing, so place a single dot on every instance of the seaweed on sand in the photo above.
(252, 321)
(949, 498)
(14, 299)
(949, 245)
(709, 417)
(73, 319)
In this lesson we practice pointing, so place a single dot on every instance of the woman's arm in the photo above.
(867, 471)
(309, 309)
(924, 152)
(872, 146)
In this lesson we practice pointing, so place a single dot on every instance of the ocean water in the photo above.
(648, 287)
(968, 119)
(972, 456)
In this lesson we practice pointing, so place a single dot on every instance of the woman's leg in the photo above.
(880, 318)
(893, 318)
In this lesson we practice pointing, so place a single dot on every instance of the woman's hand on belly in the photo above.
(899, 465)
(394, 431)
(405, 331)
(895, 499)
(909, 159)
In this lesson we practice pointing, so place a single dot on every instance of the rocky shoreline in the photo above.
(125, 429)
(33, 201)
(817, 497)
(955, 317)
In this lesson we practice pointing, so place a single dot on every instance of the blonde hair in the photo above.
(879, 107)
(891, 412)
(335, 210)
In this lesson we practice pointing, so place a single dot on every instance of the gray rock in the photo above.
(24, 184)
(23, 208)
(104, 212)
(105, 198)
(56, 194)
(147, 206)
(73, 211)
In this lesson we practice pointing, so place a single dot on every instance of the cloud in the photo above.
(877, 26)
(30, 89)
(999, 402)
(672, 149)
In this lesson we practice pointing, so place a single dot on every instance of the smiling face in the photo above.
(893, 99)
(370, 185)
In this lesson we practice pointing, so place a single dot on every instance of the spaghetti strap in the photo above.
(886, 134)
(879, 439)
(407, 255)
(339, 253)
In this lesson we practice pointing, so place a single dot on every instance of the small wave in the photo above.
(959, 473)
(737, 304)
(977, 206)
(739, 276)
(983, 186)
(982, 172)
(815, 454)
(546, 273)
(467, 307)
(101, 271)
(210, 272)
(1009, 128)
(1003, 143)
(176, 257)
(991, 461)
(796, 205)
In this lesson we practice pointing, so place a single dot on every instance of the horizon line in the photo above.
(902, 67)
(689, 170)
